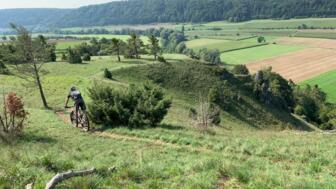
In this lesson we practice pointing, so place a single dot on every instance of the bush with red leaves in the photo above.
(13, 115)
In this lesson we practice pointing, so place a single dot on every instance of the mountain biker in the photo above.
(76, 96)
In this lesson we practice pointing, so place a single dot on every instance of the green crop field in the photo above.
(327, 82)
(222, 45)
(62, 45)
(173, 155)
(291, 23)
(257, 53)
(228, 30)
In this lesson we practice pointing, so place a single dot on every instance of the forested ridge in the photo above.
(31, 17)
(152, 11)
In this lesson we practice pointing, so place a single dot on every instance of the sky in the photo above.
(5, 4)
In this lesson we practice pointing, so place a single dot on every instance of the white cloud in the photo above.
(4, 4)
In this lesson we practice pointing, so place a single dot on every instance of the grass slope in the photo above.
(173, 155)
(257, 53)
(189, 80)
(327, 83)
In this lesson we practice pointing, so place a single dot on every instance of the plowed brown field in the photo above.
(308, 42)
(301, 65)
(304, 64)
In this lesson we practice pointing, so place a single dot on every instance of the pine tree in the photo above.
(154, 46)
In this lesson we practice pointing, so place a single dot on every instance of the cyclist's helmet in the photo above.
(73, 88)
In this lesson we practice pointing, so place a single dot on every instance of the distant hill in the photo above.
(151, 11)
(31, 17)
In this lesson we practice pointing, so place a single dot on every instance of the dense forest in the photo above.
(151, 11)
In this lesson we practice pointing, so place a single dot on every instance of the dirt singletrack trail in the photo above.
(65, 118)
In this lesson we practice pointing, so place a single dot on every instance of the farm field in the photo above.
(301, 65)
(317, 43)
(222, 45)
(327, 82)
(280, 28)
(327, 34)
(64, 44)
(257, 53)
(274, 24)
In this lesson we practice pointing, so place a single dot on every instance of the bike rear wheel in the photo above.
(84, 121)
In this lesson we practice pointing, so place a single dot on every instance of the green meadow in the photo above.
(222, 45)
(327, 82)
(257, 53)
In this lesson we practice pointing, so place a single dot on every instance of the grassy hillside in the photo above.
(189, 80)
(326, 82)
(257, 53)
(173, 155)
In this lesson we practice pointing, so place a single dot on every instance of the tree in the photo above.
(240, 70)
(211, 56)
(117, 46)
(181, 48)
(261, 39)
(86, 57)
(134, 46)
(32, 53)
(154, 46)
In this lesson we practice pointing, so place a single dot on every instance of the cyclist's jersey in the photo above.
(76, 96)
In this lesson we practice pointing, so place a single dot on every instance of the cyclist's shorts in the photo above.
(80, 104)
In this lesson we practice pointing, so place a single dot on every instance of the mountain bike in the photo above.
(83, 118)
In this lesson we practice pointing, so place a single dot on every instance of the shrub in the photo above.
(86, 57)
(240, 70)
(299, 110)
(162, 59)
(211, 56)
(133, 107)
(205, 115)
(74, 57)
(3, 68)
(64, 57)
(108, 74)
(13, 115)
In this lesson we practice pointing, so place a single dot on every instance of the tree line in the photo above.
(159, 41)
(154, 11)
(272, 89)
